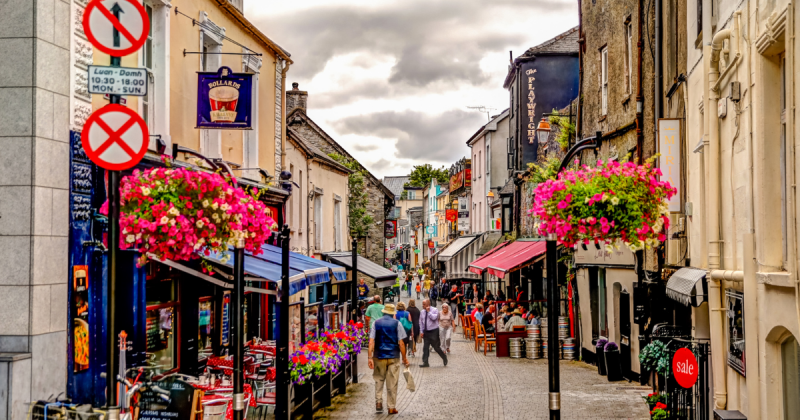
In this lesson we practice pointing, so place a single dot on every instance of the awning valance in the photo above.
(383, 277)
(454, 247)
(478, 266)
(510, 258)
(262, 269)
(688, 286)
(457, 267)
(317, 271)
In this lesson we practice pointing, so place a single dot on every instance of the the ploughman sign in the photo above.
(224, 100)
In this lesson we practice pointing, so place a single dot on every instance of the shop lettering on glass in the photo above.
(669, 161)
(224, 100)
(531, 106)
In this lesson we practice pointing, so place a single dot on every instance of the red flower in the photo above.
(303, 359)
(295, 359)
(359, 325)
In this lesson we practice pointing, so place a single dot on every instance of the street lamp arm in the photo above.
(588, 143)
(176, 148)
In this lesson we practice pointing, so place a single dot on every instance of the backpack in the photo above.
(434, 293)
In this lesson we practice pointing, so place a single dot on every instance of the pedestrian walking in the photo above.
(409, 283)
(447, 325)
(454, 300)
(418, 290)
(374, 311)
(414, 311)
(426, 287)
(429, 326)
(404, 317)
(386, 347)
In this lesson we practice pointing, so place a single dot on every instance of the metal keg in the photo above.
(533, 348)
(544, 330)
(515, 348)
(563, 327)
(544, 349)
(569, 349)
(534, 331)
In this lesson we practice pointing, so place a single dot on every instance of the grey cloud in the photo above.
(365, 147)
(438, 139)
(424, 36)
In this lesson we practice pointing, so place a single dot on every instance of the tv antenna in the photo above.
(486, 109)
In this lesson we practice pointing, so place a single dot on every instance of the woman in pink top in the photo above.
(447, 325)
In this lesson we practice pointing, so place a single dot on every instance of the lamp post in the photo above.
(554, 375)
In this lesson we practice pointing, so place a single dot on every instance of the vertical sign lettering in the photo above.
(669, 146)
(531, 105)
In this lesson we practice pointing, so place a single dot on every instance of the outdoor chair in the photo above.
(467, 327)
(463, 325)
(479, 336)
(489, 340)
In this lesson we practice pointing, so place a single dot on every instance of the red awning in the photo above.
(512, 257)
(477, 266)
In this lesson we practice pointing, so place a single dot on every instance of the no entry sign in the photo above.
(115, 137)
(116, 27)
(684, 368)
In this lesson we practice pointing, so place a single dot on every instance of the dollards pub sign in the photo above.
(224, 100)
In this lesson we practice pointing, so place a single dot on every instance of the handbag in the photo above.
(409, 380)
(406, 324)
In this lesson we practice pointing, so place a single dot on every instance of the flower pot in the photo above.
(601, 362)
(612, 365)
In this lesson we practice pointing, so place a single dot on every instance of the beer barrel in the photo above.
(544, 349)
(569, 349)
(563, 327)
(515, 348)
(533, 348)
(534, 331)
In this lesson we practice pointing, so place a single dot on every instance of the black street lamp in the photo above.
(554, 379)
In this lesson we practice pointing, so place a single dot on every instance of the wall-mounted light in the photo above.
(490, 194)
(543, 131)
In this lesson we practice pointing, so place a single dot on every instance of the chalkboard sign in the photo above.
(153, 407)
(226, 319)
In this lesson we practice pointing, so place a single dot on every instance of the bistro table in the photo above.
(502, 341)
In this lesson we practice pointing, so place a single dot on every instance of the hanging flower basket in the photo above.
(614, 201)
(326, 355)
(173, 213)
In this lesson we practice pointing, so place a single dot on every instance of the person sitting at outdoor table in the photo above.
(501, 296)
(487, 320)
(477, 313)
(311, 324)
(533, 318)
(515, 320)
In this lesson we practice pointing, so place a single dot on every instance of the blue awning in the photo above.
(310, 266)
(263, 269)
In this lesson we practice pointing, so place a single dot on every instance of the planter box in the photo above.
(601, 361)
(612, 365)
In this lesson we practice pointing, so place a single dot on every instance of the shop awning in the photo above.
(457, 266)
(316, 271)
(688, 286)
(492, 240)
(511, 257)
(257, 269)
(452, 249)
(478, 266)
(383, 277)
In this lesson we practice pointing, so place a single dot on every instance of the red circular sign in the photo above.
(684, 367)
(115, 138)
(112, 35)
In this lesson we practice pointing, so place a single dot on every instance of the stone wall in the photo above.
(604, 23)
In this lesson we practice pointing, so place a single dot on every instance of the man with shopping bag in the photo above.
(385, 349)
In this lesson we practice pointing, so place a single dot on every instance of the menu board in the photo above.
(80, 324)
(226, 319)
(153, 331)
(179, 407)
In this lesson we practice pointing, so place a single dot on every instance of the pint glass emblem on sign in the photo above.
(223, 101)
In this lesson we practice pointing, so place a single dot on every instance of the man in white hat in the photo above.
(385, 349)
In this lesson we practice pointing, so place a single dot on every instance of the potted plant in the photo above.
(654, 398)
(659, 412)
(611, 352)
(601, 361)
(653, 358)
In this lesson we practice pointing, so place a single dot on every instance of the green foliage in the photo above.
(654, 357)
(567, 129)
(421, 175)
(360, 220)
(544, 171)
(659, 414)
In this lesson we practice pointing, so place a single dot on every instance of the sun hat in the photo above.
(517, 312)
(389, 309)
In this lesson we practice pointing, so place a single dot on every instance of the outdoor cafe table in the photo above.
(502, 341)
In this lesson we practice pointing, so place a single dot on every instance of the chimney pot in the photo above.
(295, 86)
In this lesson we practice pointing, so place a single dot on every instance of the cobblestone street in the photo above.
(474, 386)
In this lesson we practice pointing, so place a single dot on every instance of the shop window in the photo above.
(597, 296)
(251, 64)
(604, 80)
(337, 223)
(206, 328)
(784, 183)
(162, 326)
(790, 353)
(736, 352)
(628, 57)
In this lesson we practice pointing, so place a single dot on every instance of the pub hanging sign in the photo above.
(224, 100)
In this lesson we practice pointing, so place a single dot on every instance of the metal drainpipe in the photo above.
(712, 223)
(659, 110)
(581, 46)
(639, 82)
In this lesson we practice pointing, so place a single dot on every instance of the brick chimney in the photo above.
(296, 98)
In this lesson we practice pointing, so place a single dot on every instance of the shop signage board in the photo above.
(116, 27)
(736, 334)
(495, 224)
(80, 325)
(669, 161)
(685, 368)
(390, 229)
(456, 181)
(115, 137)
(593, 256)
(118, 80)
(225, 331)
(180, 407)
(224, 100)
(463, 224)
(451, 215)
(429, 230)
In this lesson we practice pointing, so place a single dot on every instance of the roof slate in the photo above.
(395, 183)
(565, 43)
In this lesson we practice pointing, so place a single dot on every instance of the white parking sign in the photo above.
(118, 80)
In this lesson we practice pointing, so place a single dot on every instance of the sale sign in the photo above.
(684, 368)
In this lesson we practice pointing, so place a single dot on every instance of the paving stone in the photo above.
(474, 386)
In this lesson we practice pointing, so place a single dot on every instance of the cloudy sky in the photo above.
(391, 80)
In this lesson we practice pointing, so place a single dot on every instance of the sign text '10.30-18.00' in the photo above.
(118, 80)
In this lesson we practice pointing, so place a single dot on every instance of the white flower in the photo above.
(199, 224)
(224, 207)
(145, 191)
(615, 201)
(609, 248)
(174, 211)
(205, 203)
(164, 220)
(130, 238)
(215, 206)
(172, 222)
(586, 200)
(250, 207)
(225, 259)
(215, 216)
(605, 197)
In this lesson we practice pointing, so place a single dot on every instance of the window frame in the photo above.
(604, 81)
(176, 311)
